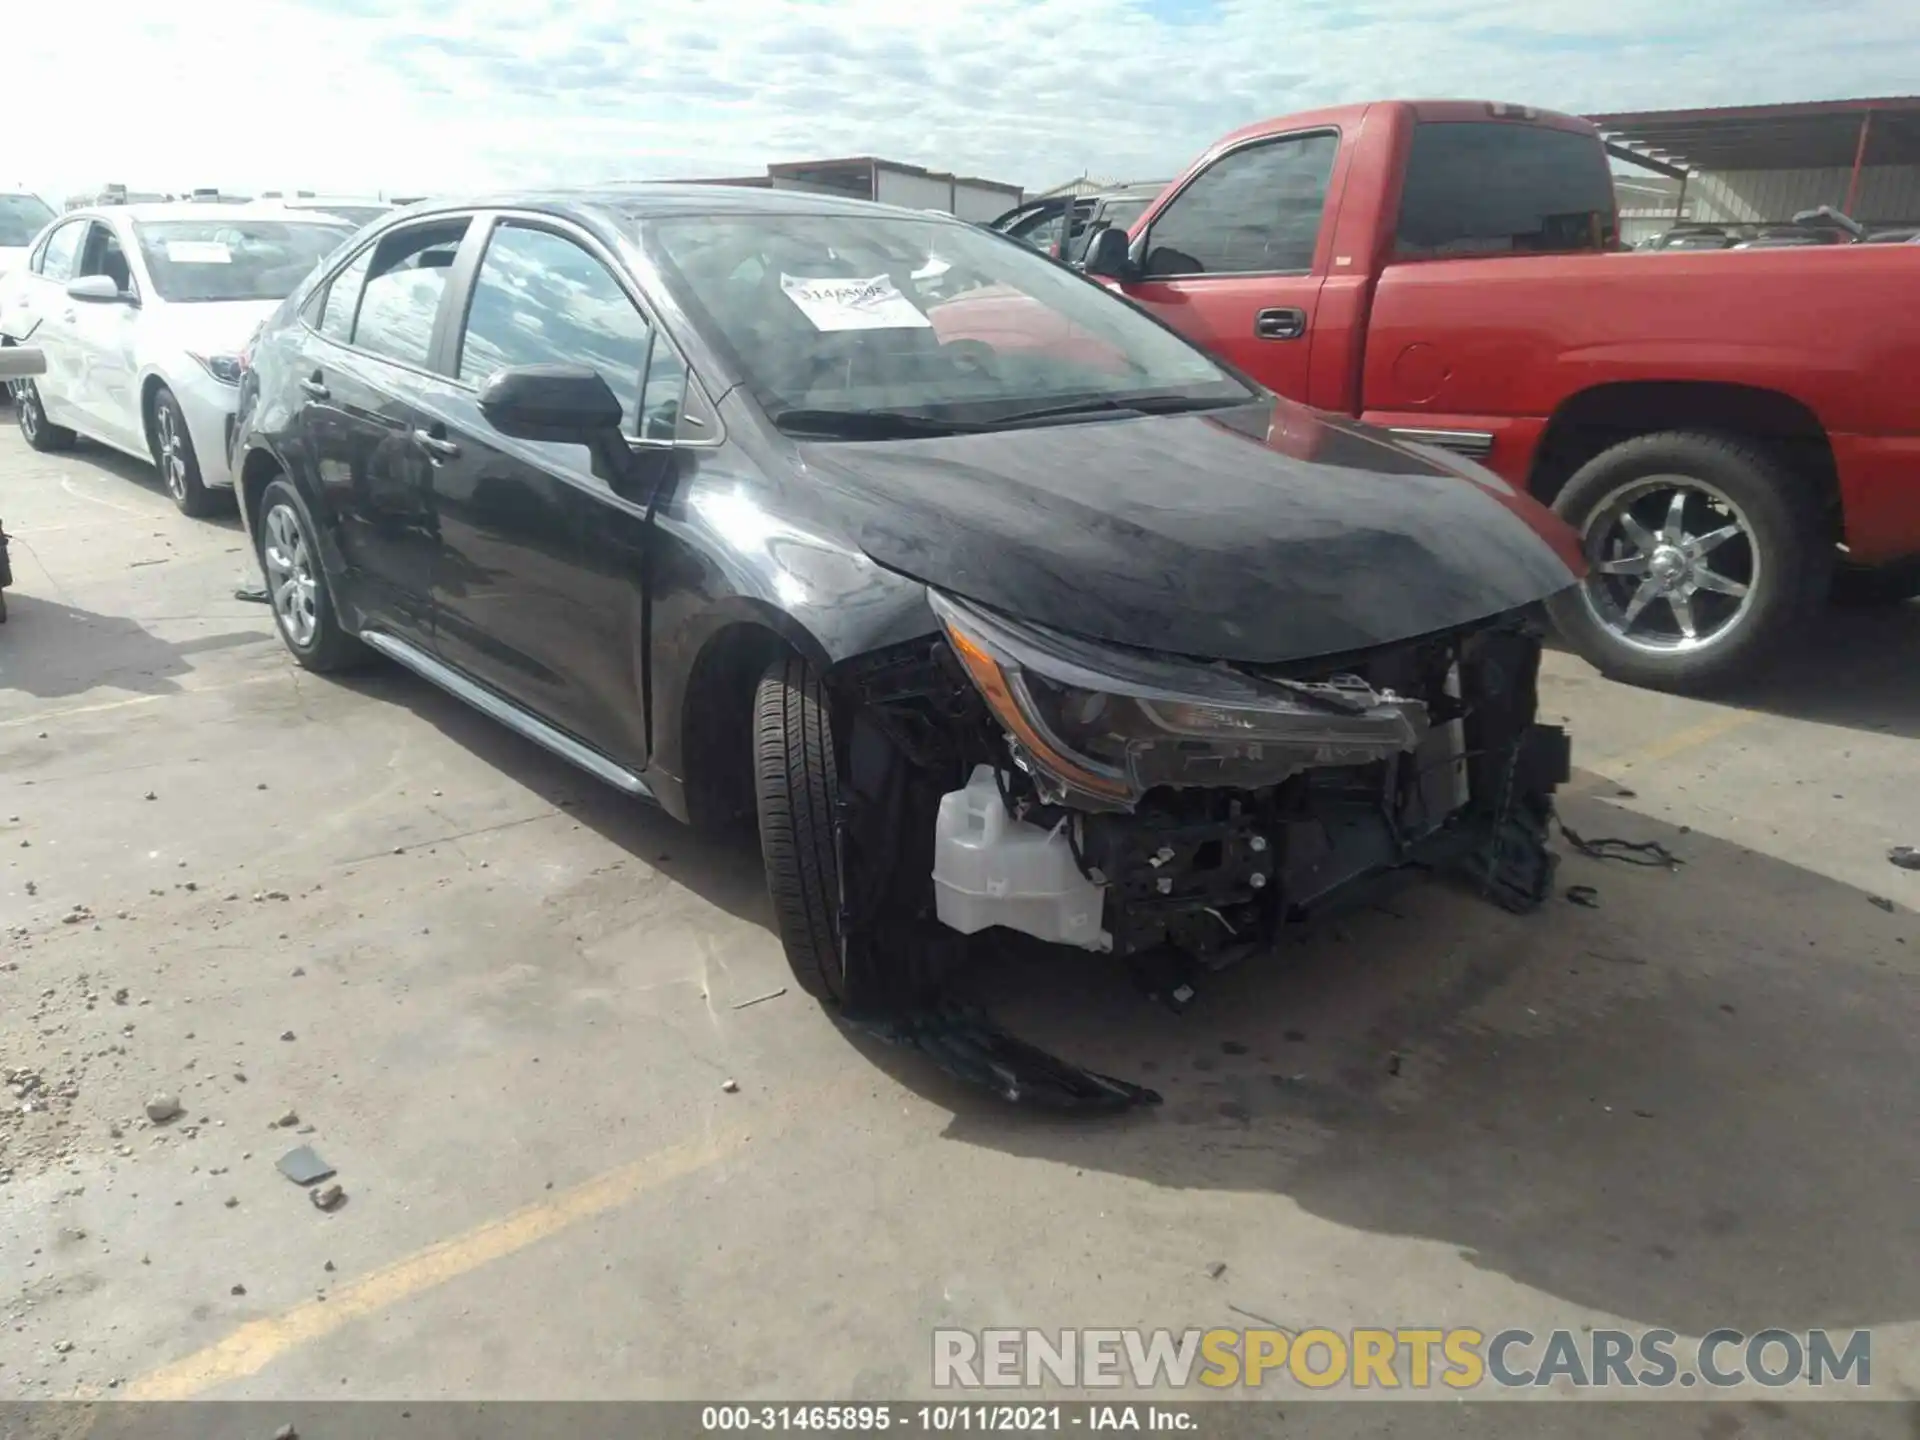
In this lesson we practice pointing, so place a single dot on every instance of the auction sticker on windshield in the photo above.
(842, 304)
(198, 252)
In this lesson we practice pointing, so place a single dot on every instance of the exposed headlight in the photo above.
(227, 369)
(1105, 725)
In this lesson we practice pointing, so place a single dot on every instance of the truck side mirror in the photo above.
(1107, 255)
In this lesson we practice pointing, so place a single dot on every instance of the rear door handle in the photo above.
(1285, 323)
(437, 446)
(316, 387)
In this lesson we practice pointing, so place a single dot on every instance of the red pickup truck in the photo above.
(1721, 427)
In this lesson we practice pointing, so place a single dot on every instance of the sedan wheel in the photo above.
(290, 576)
(173, 460)
(1674, 565)
(38, 431)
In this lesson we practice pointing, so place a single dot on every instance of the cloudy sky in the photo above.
(406, 95)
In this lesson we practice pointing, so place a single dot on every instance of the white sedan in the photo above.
(143, 312)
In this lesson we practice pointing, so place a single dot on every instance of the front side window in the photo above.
(61, 254)
(1255, 211)
(233, 257)
(21, 218)
(406, 276)
(857, 315)
(102, 255)
(1489, 187)
(541, 299)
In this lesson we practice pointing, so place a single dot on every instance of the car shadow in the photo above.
(1690, 1106)
(51, 651)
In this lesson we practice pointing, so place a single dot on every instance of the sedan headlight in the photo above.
(227, 369)
(1104, 724)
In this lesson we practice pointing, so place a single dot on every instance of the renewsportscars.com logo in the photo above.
(1367, 1359)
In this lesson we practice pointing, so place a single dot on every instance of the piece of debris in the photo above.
(1650, 853)
(1905, 856)
(770, 995)
(77, 914)
(1621, 792)
(237, 1290)
(288, 1120)
(286, 1432)
(328, 1267)
(163, 1107)
(298, 971)
(303, 1166)
(1584, 895)
(1882, 902)
(286, 1034)
(233, 1202)
(151, 796)
(1216, 1269)
(1393, 1063)
(730, 1086)
(61, 1347)
(327, 1197)
(967, 1045)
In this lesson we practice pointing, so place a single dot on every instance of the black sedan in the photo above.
(997, 602)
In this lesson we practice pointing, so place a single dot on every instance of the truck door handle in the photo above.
(437, 446)
(316, 387)
(1285, 323)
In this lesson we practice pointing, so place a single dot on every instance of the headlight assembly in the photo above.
(224, 368)
(1102, 725)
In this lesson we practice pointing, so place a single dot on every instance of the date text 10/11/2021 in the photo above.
(875, 1419)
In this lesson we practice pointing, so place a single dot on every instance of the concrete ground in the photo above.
(503, 1001)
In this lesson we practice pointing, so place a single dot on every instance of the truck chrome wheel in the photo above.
(1674, 567)
(290, 578)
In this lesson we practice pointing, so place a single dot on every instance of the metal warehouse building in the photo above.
(867, 177)
(1761, 164)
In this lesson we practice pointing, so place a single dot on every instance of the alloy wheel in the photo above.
(1673, 565)
(173, 458)
(291, 579)
(26, 400)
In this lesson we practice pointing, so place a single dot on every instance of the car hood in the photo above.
(209, 327)
(1259, 534)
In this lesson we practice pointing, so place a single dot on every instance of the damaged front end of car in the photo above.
(1172, 812)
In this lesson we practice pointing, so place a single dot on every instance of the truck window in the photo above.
(1254, 211)
(1493, 188)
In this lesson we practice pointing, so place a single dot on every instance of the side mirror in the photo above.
(1107, 255)
(570, 404)
(96, 290)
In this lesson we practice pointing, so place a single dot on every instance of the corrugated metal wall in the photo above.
(1889, 194)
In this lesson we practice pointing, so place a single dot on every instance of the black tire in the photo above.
(797, 787)
(38, 431)
(1783, 553)
(1865, 586)
(174, 457)
(327, 645)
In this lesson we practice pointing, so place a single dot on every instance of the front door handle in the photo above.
(1285, 323)
(437, 446)
(316, 387)
(68, 316)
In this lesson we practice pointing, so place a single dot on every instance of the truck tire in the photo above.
(797, 788)
(1707, 554)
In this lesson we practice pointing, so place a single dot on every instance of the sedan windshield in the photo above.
(21, 217)
(833, 320)
(234, 257)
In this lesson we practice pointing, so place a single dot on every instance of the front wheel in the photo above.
(797, 787)
(1705, 556)
(174, 455)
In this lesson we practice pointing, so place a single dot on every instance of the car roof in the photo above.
(175, 210)
(647, 200)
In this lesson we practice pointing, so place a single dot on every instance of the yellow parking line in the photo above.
(1677, 742)
(257, 1344)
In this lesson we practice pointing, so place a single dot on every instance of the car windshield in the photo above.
(234, 257)
(21, 217)
(871, 316)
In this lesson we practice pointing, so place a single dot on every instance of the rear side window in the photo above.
(401, 296)
(1255, 211)
(61, 254)
(342, 297)
(1486, 187)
